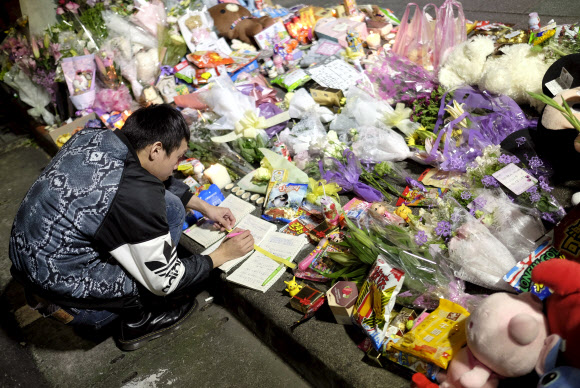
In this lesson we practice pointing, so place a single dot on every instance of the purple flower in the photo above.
(415, 184)
(465, 195)
(535, 162)
(443, 229)
(544, 185)
(504, 159)
(520, 141)
(421, 238)
(548, 217)
(533, 189)
(515, 159)
(488, 180)
(535, 197)
(479, 203)
(455, 217)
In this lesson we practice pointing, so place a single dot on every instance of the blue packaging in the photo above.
(211, 195)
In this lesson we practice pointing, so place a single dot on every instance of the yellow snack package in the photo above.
(439, 336)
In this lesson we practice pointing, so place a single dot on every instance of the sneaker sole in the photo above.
(141, 341)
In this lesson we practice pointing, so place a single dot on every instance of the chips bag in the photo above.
(520, 276)
(376, 299)
(439, 336)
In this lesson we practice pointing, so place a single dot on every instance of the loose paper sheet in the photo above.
(205, 235)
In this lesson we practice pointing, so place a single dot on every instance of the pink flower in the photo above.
(55, 51)
(59, 11)
(73, 7)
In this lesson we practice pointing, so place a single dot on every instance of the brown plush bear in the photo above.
(236, 22)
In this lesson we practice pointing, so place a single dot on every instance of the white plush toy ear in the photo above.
(523, 329)
(576, 199)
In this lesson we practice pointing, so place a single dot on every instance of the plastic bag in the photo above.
(449, 32)
(415, 39)
(118, 26)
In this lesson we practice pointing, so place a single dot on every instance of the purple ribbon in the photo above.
(268, 110)
(347, 176)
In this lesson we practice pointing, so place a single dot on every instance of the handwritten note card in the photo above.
(515, 179)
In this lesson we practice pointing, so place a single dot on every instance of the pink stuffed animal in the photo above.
(505, 336)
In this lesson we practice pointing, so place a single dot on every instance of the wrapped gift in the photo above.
(307, 300)
(336, 29)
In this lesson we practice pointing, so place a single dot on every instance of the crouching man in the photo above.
(95, 237)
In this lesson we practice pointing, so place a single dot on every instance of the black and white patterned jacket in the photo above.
(94, 224)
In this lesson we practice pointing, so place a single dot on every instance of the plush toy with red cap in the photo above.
(563, 306)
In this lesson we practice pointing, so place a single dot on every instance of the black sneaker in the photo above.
(148, 326)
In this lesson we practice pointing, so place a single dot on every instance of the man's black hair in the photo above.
(156, 123)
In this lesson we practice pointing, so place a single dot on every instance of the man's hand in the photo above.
(222, 216)
(233, 247)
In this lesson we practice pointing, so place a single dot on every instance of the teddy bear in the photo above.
(505, 337)
(236, 22)
(563, 306)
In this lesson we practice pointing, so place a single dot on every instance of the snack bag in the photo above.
(292, 80)
(284, 201)
(376, 299)
(439, 336)
(413, 363)
(520, 276)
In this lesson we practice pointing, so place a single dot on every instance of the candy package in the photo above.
(376, 299)
(204, 59)
(412, 362)
(439, 336)
(300, 225)
(292, 80)
(520, 276)
(284, 200)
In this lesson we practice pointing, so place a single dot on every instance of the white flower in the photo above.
(171, 19)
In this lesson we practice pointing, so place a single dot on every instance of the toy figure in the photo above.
(380, 212)
(552, 374)
(505, 337)
(236, 22)
(330, 211)
(404, 212)
(563, 306)
(279, 64)
(354, 42)
(292, 287)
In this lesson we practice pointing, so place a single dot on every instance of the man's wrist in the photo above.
(198, 204)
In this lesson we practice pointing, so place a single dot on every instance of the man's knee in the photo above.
(175, 214)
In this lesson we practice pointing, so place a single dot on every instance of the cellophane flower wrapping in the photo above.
(490, 120)
(379, 144)
(149, 16)
(475, 254)
(346, 175)
(227, 101)
(396, 79)
(303, 134)
(516, 227)
(30, 93)
(302, 104)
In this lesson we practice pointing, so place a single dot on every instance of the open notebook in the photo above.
(205, 235)
(259, 229)
(258, 267)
